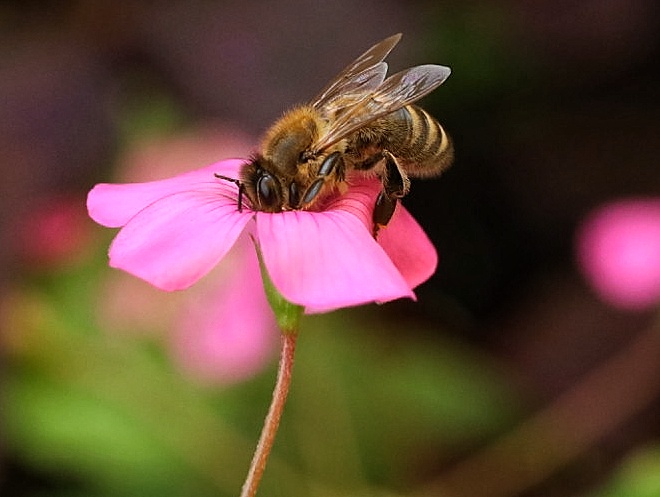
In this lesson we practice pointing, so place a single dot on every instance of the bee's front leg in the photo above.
(332, 165)
(395, 186)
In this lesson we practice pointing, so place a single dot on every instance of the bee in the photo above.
(361, 121)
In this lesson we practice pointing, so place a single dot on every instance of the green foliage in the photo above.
(638, 476)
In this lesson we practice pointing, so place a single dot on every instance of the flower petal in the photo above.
(179, 238)
(113, 205)
(409, 247)
(326, 260)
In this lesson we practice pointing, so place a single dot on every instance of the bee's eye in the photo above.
(268, 191)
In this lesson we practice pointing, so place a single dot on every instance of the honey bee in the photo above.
(360, 121)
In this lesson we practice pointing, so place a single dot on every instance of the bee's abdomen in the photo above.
(424, 145)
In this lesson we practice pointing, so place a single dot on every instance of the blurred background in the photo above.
(513, 374)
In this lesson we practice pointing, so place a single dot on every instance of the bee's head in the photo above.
(267, 190)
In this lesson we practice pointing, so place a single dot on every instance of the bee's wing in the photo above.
(364, 74)
(397, 91)
(348, 92)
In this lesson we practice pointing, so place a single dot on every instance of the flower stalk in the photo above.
(272, 421)
(288, 316)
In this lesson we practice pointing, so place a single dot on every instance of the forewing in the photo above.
(397, 91)
(345, 96)
(365, 73)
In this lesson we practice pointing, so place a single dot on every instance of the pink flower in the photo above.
(227, 332)
(175, 231)
(619, 252)
(53, 232)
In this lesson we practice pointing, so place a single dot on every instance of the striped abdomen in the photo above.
(412, 135)
(424, 149)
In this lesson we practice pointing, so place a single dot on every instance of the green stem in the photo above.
(272, 421)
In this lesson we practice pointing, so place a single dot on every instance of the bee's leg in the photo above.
(383, 212)
(333, 164)
(395, 186)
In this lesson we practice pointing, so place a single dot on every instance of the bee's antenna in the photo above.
(239, 184)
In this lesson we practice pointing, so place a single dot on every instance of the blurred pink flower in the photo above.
(54, 231)
(175, 231)
(618, 249)
(228, 332)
